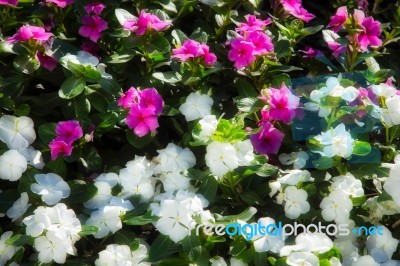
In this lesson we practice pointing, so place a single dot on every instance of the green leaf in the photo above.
(20, 240)
(57, 166)
(246, 215)
(249, 105)
(282, 48)
(47, 132)
(146, 218)
(26, 64)
(170, 77)
(72, 87)
(238, 246)
(245, 88)
(277, 80)
(209, 188)
(191, 246)
(260, 258)
(160, 248)
(158, 45)
(361, 148)
(7, 199)
(138, 142)
(109, 121)
(88, 230)
(311, 30)
(110, 86)
(358, 201)
(80, 191)
(125, 237)
(179, 37)
(22, 110)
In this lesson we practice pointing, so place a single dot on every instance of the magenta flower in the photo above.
(69, 131)
(209, 58)
(262, 42)
(142, 121)
(282, 104)
(60, 146)
(310, 52)
(60, 3)
(253, 24)
(241, 52)
(339, 19)
(145, 22)
(28, 32)
(294, 8)
(9, 2)
(150, 99)
(94, 8)
(129, 98)
(46, 61)
(192, 49)
(268, 140)
(370, 34)
(92, 27)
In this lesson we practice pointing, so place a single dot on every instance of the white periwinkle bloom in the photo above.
(271, 241)
(336, 141)
(107, 219)
(244, 152)
(382, 247)
(208, 125)
(51, 187)
(85, 59)
(19, 207)
(34, 157)
(293, 177)
(384, 90)
(6, 251)
(17, 132)
(221, 158)
(392, 184)
(122, 255)
(302, 258)
(391, 115)
(174, 158)
(12, 165)
(348, 184)
(102, 196)
(174, 181)
(53, 246)
(308, 242)
(298, 159)
(336, 206)
(365, 260)
(295, 202)
(196, 106)
(218, 261)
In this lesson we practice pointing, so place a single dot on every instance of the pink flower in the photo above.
(28, 32)
(129, 98)
(46, 61)
(61, 3)
(92, 27)
(241, 52)
(370, 34)
(362, 4)
(268, 140)
(193, 49)
(294, 8)
(69, 131)
(150, 99)
(95, 8)
(282, 104)
(253, 24)
(142, 121)
(209, 58)
(310, 52)
(262, 42)
(59, 146)
(9, 2)
(339, 19)
(331, 39)
(145, 22)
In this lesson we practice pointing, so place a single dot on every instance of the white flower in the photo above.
(384, 90)
(17, 132)
(221, 158)
(364, 261)
(302, 258)
(102, 197)
(111, 178)
(309, 242)
(86, 59)
(393, 183)
(336, 206)
(6, 251)
(121, 255)
(19, 207)
(293, 177)
(52, 247)
(218, 261)
(382, 247)
(196, 106)
(124, 205)
(336, 142)
(173, 159)
(12, 165)
(295, 202)
(330, 36)
(107, 219)
(237, 262)
(269, 241)
(244, 152)
(34, 157)
(391, 115)
(36, 223)
(208, 125)
(141, 166)
(348, 184)
(136, 184)
(174, 181)
(51, 187)
(298, 159)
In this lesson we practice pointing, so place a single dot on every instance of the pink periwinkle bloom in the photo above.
(253, 24)
(268, 140)
(294, 8)
(192, 49)
(262, 42)
(60, 3)
(94, 8)
(339, 19)
(282, 104)
(129, 98)
(92, 27)
(142, 121)
(310, 52)
(28, 32)
(9, 2)
(150, 99)
(69, 131)
(362, 4)
(241, 52)
(144, 22)
(46, 61)
(371, 30)
(60, 146)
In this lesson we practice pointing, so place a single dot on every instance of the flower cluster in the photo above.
(190, 50)
(295, 8)
(145, 22)
(144, 108)
(67, 133)
(93, 24)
